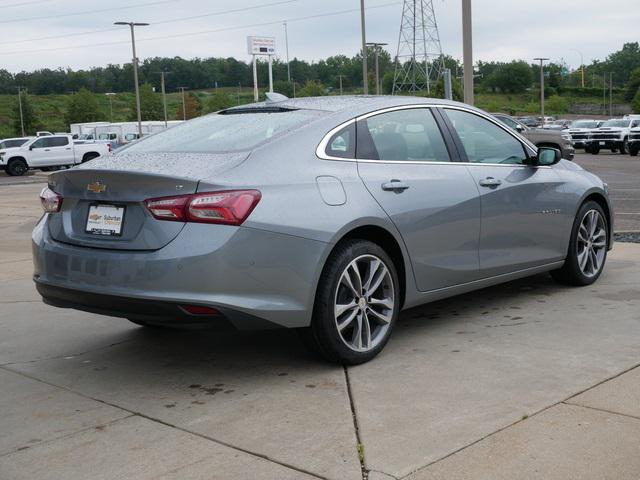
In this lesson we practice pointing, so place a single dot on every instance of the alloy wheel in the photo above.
(364, 303)
(592, 243)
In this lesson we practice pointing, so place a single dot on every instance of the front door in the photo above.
(523, 219)
(432, 199)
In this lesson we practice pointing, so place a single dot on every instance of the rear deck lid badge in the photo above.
(96, 187)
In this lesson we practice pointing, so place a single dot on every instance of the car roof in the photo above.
(355, 104)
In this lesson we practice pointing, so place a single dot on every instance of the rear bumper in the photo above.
(246, 273)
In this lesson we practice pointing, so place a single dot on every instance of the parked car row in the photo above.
(617, 135)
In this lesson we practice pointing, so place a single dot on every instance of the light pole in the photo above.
(286, 43)
(184, 103)
(542, 60)
(365, 80)
(164, 95)
(132, 25)
(20, 106)
(110, 97)
(467, 52)
(340, 77)
(376, 47)
(581, 63)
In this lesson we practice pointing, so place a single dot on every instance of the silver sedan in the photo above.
(329, 215)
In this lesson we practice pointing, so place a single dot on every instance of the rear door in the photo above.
(60, 150)
(432, 199)
(524, 223)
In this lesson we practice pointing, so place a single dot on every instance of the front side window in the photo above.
(39, 143)
(401, 135)
(485, 142)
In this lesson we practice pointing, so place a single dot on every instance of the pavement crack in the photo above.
(170, 425)
(354, 416)
(604, 410)
(57, 357)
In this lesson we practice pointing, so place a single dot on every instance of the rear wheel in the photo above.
(587, 248)
(17, 168)
(357, 304)
(633, 149)
(89, 156)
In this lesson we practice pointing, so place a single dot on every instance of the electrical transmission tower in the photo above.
(419, 61)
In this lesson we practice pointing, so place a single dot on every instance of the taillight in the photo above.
(50, 200)
(230, 207)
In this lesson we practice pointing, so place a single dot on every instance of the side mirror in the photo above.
(30, 147)
(520, 128)
(548, 156)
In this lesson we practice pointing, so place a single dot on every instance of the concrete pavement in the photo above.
(509, 382)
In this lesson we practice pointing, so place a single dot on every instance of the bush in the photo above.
(220, 101)
(313, 88)
(557, 104)
(284, 88)
(636, 102)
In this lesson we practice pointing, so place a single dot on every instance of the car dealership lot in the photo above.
(484, 385)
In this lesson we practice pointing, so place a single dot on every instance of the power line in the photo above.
(23, 3)
(224, 12)
(202, 32)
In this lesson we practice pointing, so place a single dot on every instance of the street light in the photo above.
(542, 60)
(132, 25)
(467, 52)
(286, 43)
(110, 97)
(376, 47)
(365, 81)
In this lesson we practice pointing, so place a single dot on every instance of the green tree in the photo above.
(636, 102)
(312, 88)
(150, 105)
(557, 104)
(632, 85)
(220, 101)
(456, 90)
(28, 115)
(513, 77)
(82, 107)
(193, 107)
(284, 88)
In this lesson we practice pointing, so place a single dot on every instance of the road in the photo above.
(524, 380)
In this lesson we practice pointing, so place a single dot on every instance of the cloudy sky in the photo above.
(79, 33)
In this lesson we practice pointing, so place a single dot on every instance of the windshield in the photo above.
(615, 123)
(224, 132)
(584, 124)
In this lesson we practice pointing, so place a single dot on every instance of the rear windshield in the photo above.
(224, 132)
(615, 123)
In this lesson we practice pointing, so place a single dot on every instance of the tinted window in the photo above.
(615, 123)
(401, 135)
(508, 122)
(57, 141)
(485, 142)
(224, 132)
(343, 143)
(39, 143)
(12, 143)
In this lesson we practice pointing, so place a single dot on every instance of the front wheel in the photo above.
(594, 150)
(624, 147)
(356, 305)
(587, 247)
(633, 149)
(17, 168)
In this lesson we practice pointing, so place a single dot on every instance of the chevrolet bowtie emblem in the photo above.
(96, 187)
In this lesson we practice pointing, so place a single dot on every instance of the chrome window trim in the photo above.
(322, 146)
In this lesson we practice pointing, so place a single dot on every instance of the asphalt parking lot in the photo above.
(523, 380)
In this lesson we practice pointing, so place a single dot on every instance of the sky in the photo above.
(80, 33)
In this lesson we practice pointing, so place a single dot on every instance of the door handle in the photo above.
(68, 148)
(490, 182)
(395, 186)
(46, 149)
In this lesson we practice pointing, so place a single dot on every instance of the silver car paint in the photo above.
(269, 267)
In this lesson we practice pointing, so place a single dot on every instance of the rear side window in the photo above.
(224, 132)
(485, 142)
(342, 144)
(401, 135)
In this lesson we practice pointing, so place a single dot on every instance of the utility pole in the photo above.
(542, 60)
(340, 78)
(365, 80)
(467, 52)
(255, 80)
(20, 107)
(110, 97)
(604, 93)
(286, 43)
(611, 94)
(163, 89)
(376, 48)
(184, 103)
(132, 25)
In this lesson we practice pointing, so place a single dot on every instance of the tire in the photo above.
(17, 168)
(89, 156)
(594, 150)
(587, 148)
(633, 150)
(374, 311)
(585, 258)
(624, 147)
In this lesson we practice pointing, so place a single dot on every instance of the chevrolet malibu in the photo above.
(329, 215)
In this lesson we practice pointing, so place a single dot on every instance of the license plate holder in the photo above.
(105, 220)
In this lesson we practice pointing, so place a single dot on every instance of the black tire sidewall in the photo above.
(323, 324)
(571, 267)
(11, 168)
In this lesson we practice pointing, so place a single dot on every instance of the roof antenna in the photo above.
(273, 97)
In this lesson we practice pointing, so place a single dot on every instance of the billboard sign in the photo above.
(261, 45)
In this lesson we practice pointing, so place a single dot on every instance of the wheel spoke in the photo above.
(347, 321)
(366, 331)
(383, 318)
(582, 259)
(341, 308)
(382, 273)
(346, 279)
(594, 260)
(385, 302)
(356, 338)
(357, 280)
(374, 265)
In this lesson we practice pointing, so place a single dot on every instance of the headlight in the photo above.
(566, 136)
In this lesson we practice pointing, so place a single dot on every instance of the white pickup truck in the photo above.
(46, 153)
